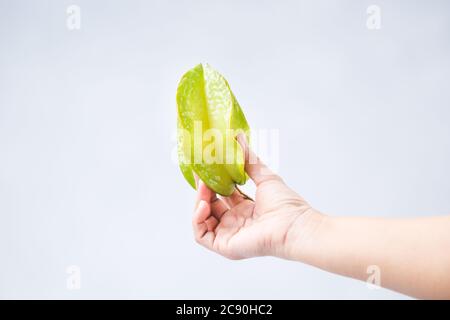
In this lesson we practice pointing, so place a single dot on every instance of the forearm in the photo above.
(413, 255)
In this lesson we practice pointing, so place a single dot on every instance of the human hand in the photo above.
(413, 253)
(238, 227)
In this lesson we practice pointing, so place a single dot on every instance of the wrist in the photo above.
(303, 235)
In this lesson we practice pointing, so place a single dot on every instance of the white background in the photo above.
(87, 119)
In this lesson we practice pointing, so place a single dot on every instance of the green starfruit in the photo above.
(208, 121)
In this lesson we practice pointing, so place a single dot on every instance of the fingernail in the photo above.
(201, 204)
(242, 139)
(196, 180)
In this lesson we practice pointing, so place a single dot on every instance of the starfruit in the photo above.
(208, 120)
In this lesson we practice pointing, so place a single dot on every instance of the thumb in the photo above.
(255, 168)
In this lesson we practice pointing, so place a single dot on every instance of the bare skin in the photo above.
(413, 255)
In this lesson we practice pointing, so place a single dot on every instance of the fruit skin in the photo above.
(206, 102)
(185, 167)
